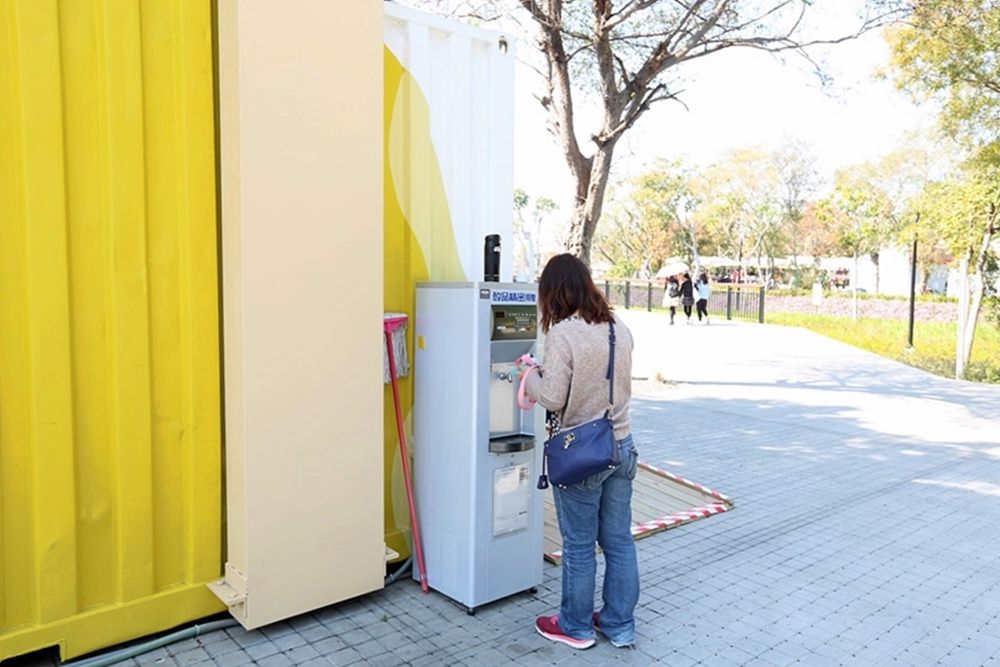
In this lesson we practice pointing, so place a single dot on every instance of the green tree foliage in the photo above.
(645, 223)
(749, 205)
(745, 208)
(948, 50)
(852, 212)
(813, 235)
(795, 165)
(530, 221)
(861, 215)
(964, 212)
(868, 208)
(960, 209)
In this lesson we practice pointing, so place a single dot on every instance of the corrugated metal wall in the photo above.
(110, 436)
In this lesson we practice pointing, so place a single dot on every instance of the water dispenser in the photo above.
(476, 453)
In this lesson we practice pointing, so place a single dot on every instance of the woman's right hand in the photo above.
(524, 362)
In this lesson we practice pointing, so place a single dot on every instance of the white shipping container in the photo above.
(465, 76)
(449, 158)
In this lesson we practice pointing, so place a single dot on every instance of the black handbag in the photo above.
(574, 454)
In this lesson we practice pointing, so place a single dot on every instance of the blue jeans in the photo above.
(599, 509)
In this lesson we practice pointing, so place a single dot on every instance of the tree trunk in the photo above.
(975, 303)
(963, 317)
(691, 241)
(591, 185)
(854, 289)
(740, 269)
(977, 291)
(878, 270)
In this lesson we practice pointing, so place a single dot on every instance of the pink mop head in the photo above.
(394, 324)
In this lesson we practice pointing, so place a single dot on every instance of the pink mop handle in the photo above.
(405, 456)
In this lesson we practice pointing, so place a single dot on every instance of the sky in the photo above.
(740, 98)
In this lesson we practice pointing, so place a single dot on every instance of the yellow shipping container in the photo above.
(110, 434)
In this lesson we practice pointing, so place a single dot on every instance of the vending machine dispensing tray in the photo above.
(660, 500)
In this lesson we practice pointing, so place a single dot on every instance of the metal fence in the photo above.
(729, 301)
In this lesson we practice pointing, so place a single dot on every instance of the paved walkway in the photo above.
(866, 530)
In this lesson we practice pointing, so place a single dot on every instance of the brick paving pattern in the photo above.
(866, 529)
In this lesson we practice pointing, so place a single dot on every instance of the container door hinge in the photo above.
(232, 589)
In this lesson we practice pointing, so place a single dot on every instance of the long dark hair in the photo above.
(566, 288)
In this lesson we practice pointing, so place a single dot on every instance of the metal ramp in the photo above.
(660, 500)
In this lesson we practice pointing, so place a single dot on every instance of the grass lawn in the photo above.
(933, 342)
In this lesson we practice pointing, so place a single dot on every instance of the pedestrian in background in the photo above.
(573, 382)
(687, 295)
(672, 296)
(704, 291)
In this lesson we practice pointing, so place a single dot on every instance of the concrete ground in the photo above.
(866, 529)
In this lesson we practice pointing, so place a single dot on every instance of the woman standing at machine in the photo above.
(573, 383)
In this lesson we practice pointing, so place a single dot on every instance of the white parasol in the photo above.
(672, 268)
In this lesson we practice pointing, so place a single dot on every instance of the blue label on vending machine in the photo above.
(513, 297)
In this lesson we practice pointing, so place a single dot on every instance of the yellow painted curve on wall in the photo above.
(419, 246)
(110, 434)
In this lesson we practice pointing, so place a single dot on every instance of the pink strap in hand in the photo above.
(525, 402)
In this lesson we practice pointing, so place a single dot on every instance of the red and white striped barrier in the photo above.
(675, 519)
(686, 482)
(678, 518)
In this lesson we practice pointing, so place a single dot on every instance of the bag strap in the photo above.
(611, 367)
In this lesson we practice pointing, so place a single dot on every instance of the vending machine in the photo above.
(476, 452)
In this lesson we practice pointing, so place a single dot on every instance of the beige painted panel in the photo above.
(301, 131)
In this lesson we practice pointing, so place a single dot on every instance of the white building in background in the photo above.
(942, 280)
(892, 274)
(892, 271)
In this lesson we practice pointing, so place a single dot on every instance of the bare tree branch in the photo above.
(558, 82)
(630, 8)
(632, 46)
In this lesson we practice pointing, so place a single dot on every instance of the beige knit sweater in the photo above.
(573, 375)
